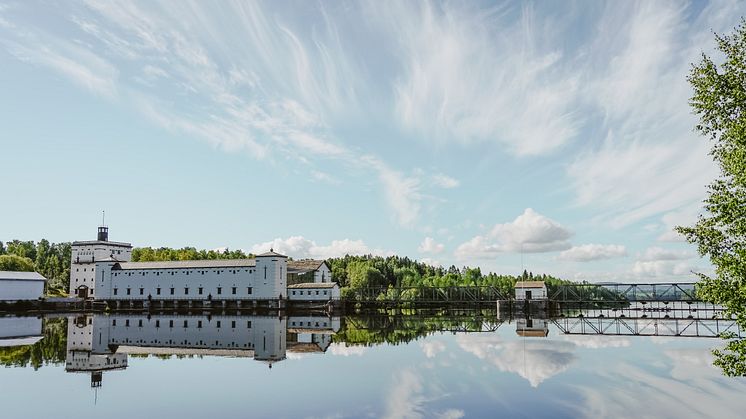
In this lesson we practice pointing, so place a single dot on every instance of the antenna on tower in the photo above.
(103, 218)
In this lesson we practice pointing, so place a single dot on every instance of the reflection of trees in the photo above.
(406, 326)
(50, 349)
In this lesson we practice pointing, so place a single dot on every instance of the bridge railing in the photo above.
(624, 292)
(711, 328)
(426, 294)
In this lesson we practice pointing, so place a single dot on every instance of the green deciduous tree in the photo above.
(720, 233)
(16, 263)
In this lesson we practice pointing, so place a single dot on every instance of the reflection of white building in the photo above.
(102, 270)
(19, 331)
(21, 286)
(529, 327)
(100, 343)
(530, 290)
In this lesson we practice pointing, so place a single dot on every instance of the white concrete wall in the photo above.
(13, 290)
(313, 294)
(323, 274)
(83, 263)
(217, 282)
(536, 293)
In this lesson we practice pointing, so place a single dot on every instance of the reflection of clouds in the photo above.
(341, 349)
(432, 347)
(597, 342)
(534, 360)
(451, 414)
(405, 399)
(692, 390)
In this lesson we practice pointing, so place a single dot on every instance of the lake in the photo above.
(403, 365)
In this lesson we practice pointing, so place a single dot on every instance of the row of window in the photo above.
(158, 273)
(200, 291)
(311, 292)
(323, 324)
(218, 323)
(184, 342)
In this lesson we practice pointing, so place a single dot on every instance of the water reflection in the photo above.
(385, 364)
(98, 343)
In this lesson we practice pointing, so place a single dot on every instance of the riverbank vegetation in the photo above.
(720, 233)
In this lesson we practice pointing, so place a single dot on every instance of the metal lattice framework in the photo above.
(461, 324)
(626, 326)
(624, 292)
(471, 294)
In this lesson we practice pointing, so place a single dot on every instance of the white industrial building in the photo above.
(21, 286)
(530, 290)
(19, 331)
(102, 270)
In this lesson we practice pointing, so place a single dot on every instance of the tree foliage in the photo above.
(720, 233)
(16, 263)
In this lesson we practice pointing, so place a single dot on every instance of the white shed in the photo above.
(530, 290)
(21, 286)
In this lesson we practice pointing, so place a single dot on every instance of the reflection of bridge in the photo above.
(426, 323)
(647, 326)
(569, 293)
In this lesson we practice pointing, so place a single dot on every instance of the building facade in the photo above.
(21, 286)
(103, 270)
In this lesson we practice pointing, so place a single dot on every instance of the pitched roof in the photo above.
(530, 284)
(21, 276)
(185, 264)
(271, 253)
(304, 265)
(540, 333)
(314, 285)
(93, 242)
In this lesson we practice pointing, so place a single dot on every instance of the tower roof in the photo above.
(271, 253)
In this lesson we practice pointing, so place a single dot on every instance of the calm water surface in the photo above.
(137, 366)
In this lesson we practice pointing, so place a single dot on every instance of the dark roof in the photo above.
(21, 276)
(271, 253)
(314, 285)
(304, 265)
(108, 243)
(185, 264)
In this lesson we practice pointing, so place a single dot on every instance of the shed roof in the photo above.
(530, 284)
(304, 265)
(186, 264)
(21, 276)
(314, 285)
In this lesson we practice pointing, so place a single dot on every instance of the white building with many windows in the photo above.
(102, 270)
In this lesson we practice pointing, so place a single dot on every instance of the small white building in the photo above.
(21, 286)
(20, 331)
(313, 291)
(530, 290)
(528, 327)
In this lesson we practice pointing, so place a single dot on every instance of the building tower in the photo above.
(85, 254)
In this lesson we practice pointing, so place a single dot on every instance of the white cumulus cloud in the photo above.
(429, 245)
(530, 232)
(299, 247)
(591, 252)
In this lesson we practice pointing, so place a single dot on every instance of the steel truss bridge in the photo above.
(574, 293)
(646, 326)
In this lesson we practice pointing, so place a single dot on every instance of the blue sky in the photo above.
(500, 135)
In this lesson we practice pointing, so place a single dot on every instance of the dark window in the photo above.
(127, 323)
(115, 291)
(158, 291)
(218, 324)
(139, 323)
(233, 290)
(114, 322)
(142, 291)
(170, 323)
(233, 324)
(186, 323)
(249, 290)
(293, 292)
(200, 291)
(317, 292)
(220, 290)
(129, 291)
(199, 324)
(172, 291)
(157, 323)
(248, 324)
(186, 291)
